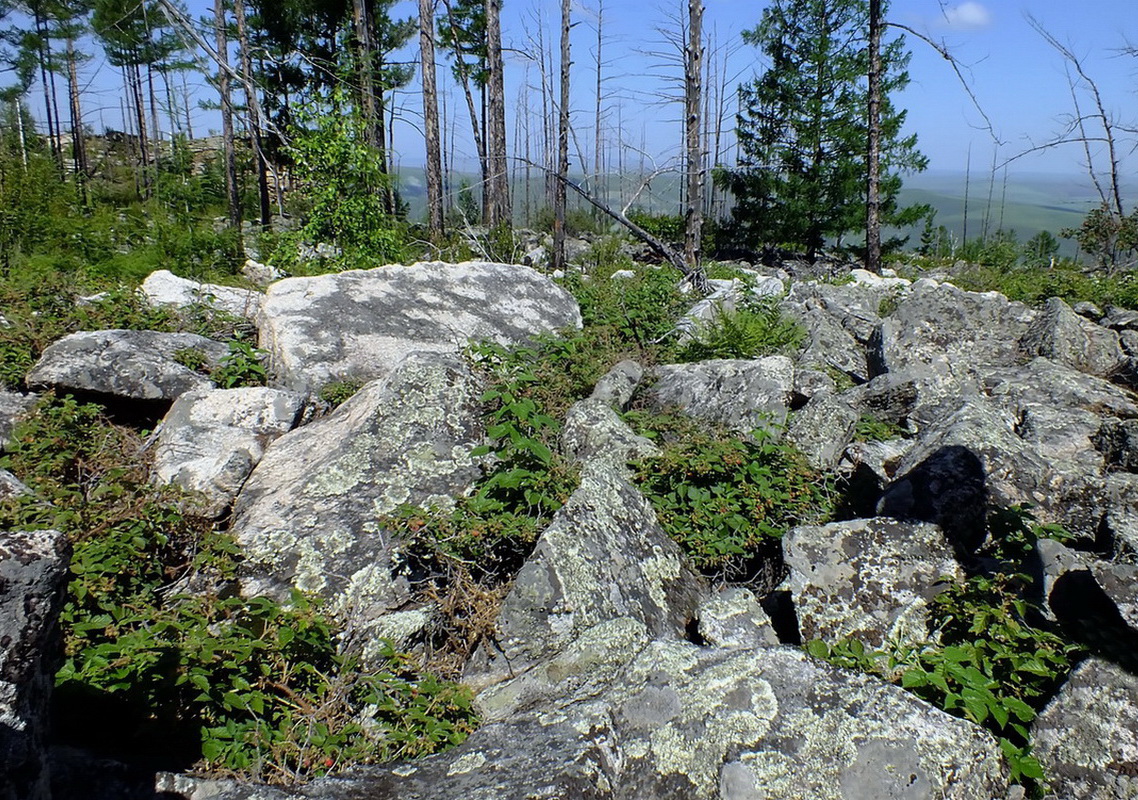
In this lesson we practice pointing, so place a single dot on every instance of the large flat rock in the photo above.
(358, 325)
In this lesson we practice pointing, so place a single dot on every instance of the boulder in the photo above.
(260, 274)
(164, 288)
(14, 406)
(358, 325)
(734, 618)
(1062, 335)
(869, 579)
(603, 577)
(33, 576)
(618, 385)
(1086, 739)
(829, 346)
(211, 440)
(310, 516)
(822, 429)
(702, 724)
(950, 331)
(135, 365)
(741, 395)
(593, 431)
(854, 306)
(11, 486)
(1118, 442)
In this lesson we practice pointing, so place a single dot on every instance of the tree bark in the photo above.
(558, 261)
(873, 149)
(78, 143)
(256, 133)
(499, 186)
(140, 121)
(693, 114)
(234, 199)
(431, 118)
(598, 140)
(464, 79)
(52, 126)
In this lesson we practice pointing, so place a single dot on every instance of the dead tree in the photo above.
(558, 261)
(497, 165)
(431, 118)
(234, 199)
(693, 132)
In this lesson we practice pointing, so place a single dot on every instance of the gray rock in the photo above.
(1058, 333)
(950, 331)
(1119, 582)
(136, 365)
(14, 406)
(618, 385)
(822, 429)
(1118, 442)
(33, 576)
(1043, 382)
(870, 579)
(703, 724)
(1120, 318)
(358, 325)
(593, 431)
(854, 306)
(740, 395)
(260, 274)
(726, 297)
(164, 288)
(309, 515)
(916, 395)
(603, 560)
(734, 618)
(1086, 739)
(211, 440)
(11, 486)
(828, 345)
(809, 383)
(1128, 339)
(1087, 309)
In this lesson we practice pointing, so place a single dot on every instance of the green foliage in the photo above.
(259, 685)
(871, 429)
(345, 186)
(756, 329)
(802, 128)
(638, 312)
(1033, 285)
(243, 366)
(338, 392)
(723, 498)
(1110, 238)
(1013, 533)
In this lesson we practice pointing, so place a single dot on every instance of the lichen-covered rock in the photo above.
(1118, 442)
(358, 325)
(603, 559)
(734, 618)
(617, 386)
(948, 330)
(310, 514)
(702, 724)
(164, 288)
(828, 345)
(136, 365)
(869, 579)
(13, 407)
(1062, 335)
(593, 431)
(822, 429)
(741, 395)
(854, 306)
(1086, 739)
(33, 575)
(211, 440)
(1119, 582)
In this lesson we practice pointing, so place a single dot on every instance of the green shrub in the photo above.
(639, 312)
(258, 685)
(871, 429)
(723, 498)
(243, 366)
(338, 392)
(752, 331)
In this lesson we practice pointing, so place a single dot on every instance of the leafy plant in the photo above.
(723, 498)
(871, 429)
(755, 330)
(192, 358)
(243, 366)
(338, 392)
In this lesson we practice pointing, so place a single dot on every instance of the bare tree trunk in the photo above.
(558, 261)
(256, 134)
(234, 198)
(78, 142)
(598, 140)
(431, 118)
(967, 185)
(140, 121)
(53, 139)
(464, 79)
(693, 133)
(497, 163)
(20, 131)
(873, 151)
(186, 101)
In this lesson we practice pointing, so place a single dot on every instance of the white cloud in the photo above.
(968, 16)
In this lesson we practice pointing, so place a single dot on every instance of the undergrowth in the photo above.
(990, 657)
(756, 329)
(242, 686)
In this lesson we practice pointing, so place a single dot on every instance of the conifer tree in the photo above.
(803, 128)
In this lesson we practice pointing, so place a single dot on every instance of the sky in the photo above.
(1018, 80)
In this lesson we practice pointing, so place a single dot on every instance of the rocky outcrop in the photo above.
(132, 365)
(1087, 737)
(740, 395)
(164, 288)
(359, 325)
(211, 440)
(868, 579)
(33, 574)
(311, 514)
(14, 406)
(1058, 333)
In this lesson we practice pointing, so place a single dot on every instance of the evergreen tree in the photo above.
(802, 128)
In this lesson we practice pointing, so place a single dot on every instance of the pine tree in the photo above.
(803, 128)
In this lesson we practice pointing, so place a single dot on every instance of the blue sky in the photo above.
(1018, 79)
